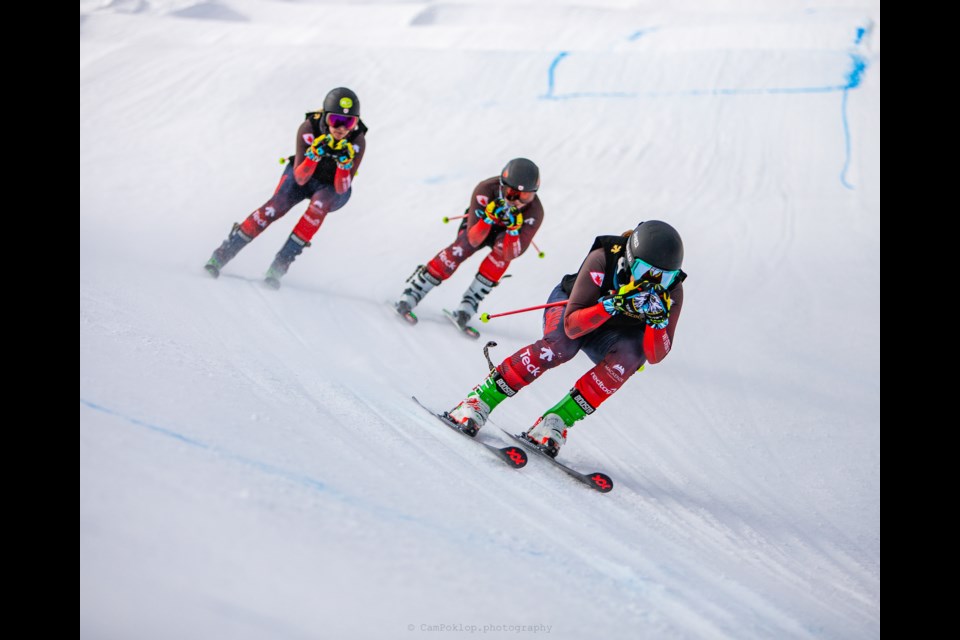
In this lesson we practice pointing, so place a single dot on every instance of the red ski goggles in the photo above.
(509, 193)
(337, 121)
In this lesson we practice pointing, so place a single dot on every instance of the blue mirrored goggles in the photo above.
(642, 271)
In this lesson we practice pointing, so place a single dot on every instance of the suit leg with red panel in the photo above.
(521, 368)
(438, 269)
(617, 354)
(552, 350)
(487, 277)
(323, 200)
(285, 196)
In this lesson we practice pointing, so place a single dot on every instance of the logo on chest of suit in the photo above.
(597, 277)
(482, 201)
(308, 138)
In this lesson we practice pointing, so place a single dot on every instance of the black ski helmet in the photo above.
(656, 243)
(521, 174)
(343, 101)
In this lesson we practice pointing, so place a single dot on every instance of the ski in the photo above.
(408, 316)
(466, 330)
(598, 481)
(513, 456)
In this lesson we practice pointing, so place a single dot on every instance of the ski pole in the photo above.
(485, 317)
(540, 254)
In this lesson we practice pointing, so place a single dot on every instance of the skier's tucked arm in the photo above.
(477, 227)
(520, 235)
(583, 313)
(303, 166)
(346, 171)
(658, 342)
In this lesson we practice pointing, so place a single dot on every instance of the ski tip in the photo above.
(468, 331)
(601, 482)
(406, 315)
(515, 456)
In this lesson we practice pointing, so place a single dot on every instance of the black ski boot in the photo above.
(293, 247)
(227, 251)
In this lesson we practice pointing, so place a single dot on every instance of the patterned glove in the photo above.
(343, 153)
(649, 301)
(321, 146)
(515, 223)
(499, 212)
(656, 305)
(629, 304)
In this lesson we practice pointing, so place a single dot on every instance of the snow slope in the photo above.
(251, 465)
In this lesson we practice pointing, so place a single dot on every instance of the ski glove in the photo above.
(628, 304)
(650, 302)
(514, 226)
(343, 153)
(656, 305)
(498, 212)
(326, 145)
(319, 148)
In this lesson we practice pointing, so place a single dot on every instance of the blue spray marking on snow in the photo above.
(696, 92)
(846, 144)
(853, 80)
(297, 478)
(551, 72)
(263, 467)
(256, 464)
(855, 76)
(639, 33)
(141, 423)
(468, 538)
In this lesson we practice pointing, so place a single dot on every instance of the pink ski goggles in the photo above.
(337, 121)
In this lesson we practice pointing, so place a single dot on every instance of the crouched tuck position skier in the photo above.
(504, 214)
(622, 310)
(330, 147)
